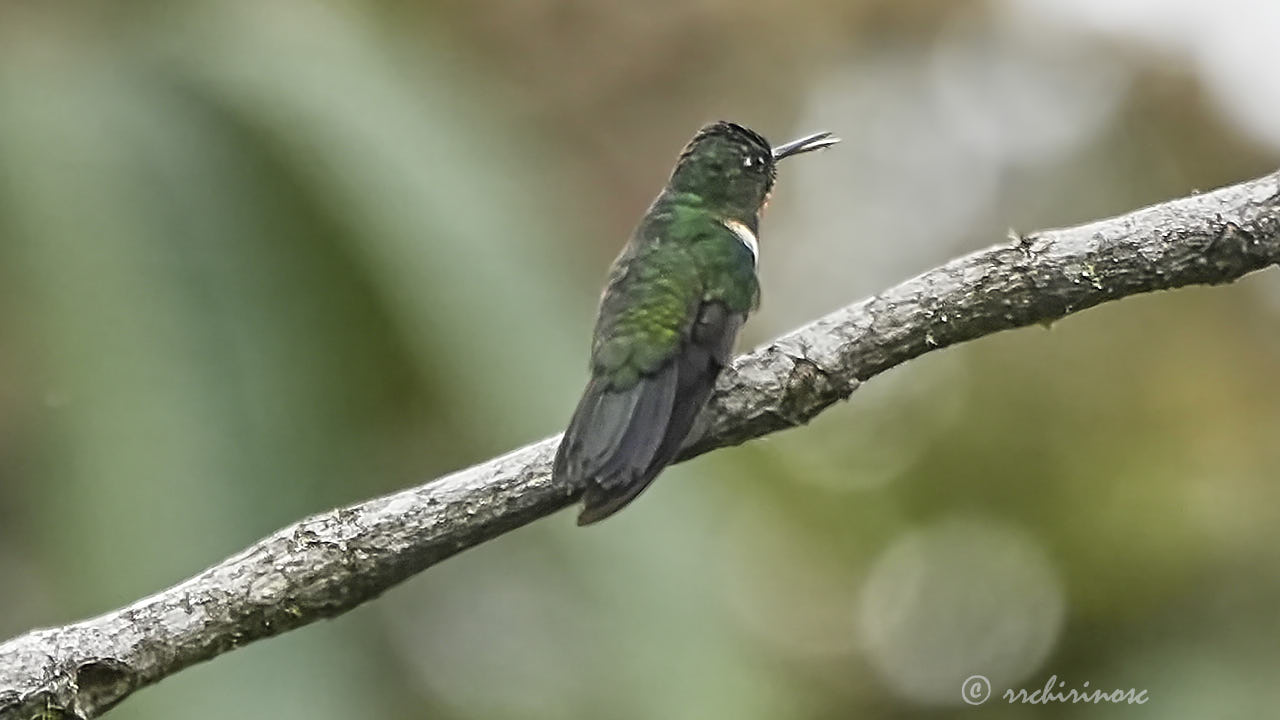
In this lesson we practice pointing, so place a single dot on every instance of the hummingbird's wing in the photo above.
(658, 351)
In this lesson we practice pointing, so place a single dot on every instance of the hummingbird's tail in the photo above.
(620, 440)
(611, 446)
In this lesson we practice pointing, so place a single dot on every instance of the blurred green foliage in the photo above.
(259, 260)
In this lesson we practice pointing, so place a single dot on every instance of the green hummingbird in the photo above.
(673, 305)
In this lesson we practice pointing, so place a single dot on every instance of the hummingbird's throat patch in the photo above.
(745, 235)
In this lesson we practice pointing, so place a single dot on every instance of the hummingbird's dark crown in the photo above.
(727, 165)
(747, 139)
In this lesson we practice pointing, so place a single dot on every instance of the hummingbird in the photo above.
(672, 307)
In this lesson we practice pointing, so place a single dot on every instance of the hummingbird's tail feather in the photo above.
(612, 441)
(635, 450)
(619, 441)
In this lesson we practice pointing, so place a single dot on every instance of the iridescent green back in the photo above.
(683, 255)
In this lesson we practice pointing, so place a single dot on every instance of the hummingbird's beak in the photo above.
(808, 143)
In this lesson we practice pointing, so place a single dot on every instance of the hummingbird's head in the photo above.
(732, 166)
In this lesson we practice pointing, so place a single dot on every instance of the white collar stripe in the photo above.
(747, 237)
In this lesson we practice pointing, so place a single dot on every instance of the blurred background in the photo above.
(258, 260)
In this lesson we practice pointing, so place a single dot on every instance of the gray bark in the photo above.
(327, 564)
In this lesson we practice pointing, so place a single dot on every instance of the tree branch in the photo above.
(329, 563)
